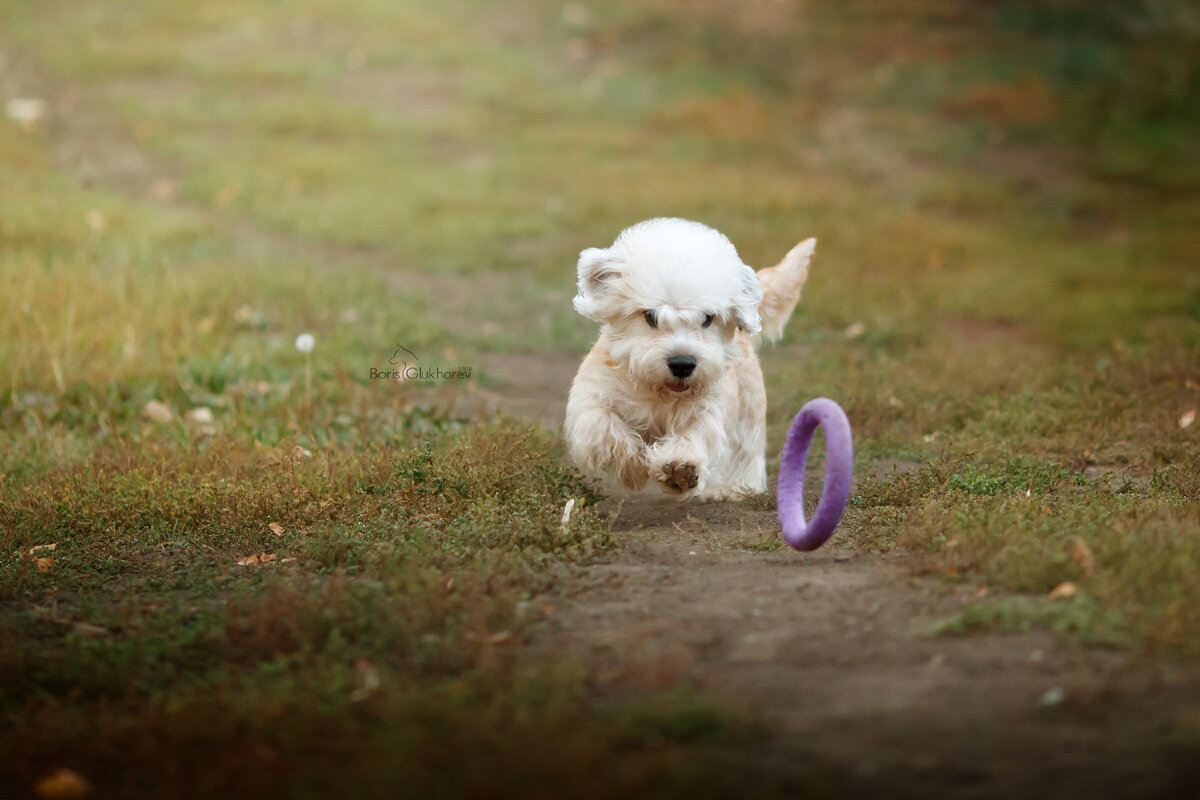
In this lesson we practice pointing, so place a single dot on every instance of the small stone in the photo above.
(200, 415)
(156, 411)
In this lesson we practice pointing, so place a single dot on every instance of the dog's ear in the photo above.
(598, 268)
(746, 300)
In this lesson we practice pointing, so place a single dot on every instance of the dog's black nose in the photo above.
(681, 366)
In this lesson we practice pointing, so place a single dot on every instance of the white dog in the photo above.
(672, 389)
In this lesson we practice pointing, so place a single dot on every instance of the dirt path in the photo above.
(835, 649)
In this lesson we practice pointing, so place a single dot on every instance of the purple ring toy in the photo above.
(839, 461)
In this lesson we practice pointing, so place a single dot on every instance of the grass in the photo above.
(384, 618)
(1078, 617)
(1004, 200)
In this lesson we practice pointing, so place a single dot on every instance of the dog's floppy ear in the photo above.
(598, 268)
(746, 300)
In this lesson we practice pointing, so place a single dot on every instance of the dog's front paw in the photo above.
(678, 476)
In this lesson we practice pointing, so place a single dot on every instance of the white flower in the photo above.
(25, 110)
(305, 343)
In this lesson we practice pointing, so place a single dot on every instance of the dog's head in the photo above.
(670, 294)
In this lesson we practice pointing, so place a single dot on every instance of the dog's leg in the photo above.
(599, 441)
(678, 468)
(746, 476)
(741, 469)
(680, 461)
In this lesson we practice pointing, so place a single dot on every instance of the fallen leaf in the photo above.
(43, 564)
(566, 515)
(163, 190)
(95, 220)
(88, 629)
(1188, 418)
(1084, 557)
(226, 195)
(256, 560)
(368, 675)
(503, 637)
(1065, 589)
(855, 330)
(450, 584)
(37, 548)
(276, 528)
(62, 785)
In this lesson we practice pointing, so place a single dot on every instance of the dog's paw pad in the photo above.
(680, 475)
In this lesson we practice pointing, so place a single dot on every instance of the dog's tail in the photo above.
(781, 285)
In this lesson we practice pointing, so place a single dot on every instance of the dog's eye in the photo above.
(651, 320)
(708, 320)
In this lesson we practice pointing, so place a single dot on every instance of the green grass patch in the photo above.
(1079, 617)
(376, 631)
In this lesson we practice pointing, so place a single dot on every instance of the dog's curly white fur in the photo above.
(672, 390)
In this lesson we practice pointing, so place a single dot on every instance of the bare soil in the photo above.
(835, 649)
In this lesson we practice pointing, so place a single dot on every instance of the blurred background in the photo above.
(371, 171)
